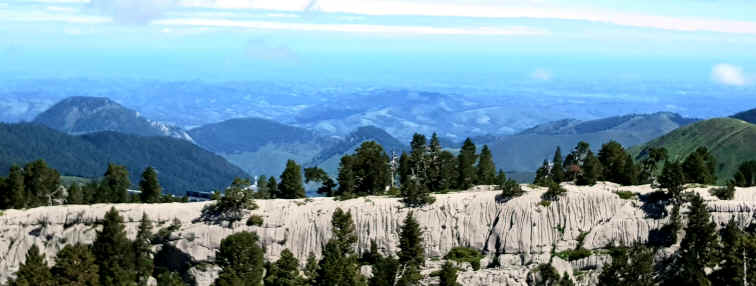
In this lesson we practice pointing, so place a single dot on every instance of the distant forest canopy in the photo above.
(182, 165)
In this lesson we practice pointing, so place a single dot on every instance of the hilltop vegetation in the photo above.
(729, 140)
(182, 165)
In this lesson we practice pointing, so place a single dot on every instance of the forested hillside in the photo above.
(182, 165)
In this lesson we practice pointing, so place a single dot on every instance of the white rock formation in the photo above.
(519, 233)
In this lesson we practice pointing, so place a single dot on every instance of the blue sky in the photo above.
(397, 42)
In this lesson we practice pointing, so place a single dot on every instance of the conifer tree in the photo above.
(612, 157)
(486, 170)
(311, 269)
(557, 171)
(746, 174)
(75, 265)
(142, 251)
(273, 188)
(263, 192)
(542, 175)
(75, 195)
(733, 247)
(630, 266)
(114, 188)
(344, 231)
(370, 167)
(411, 243)
(5, 199)
(291, 186)
(170, 279)
(318, 175)
(466, 168)
(435, 158)
(16, 189)
(672, 178)
(631, 173)
(149, 186)
(448, 173)
(699, 166)
(416, 195)
(697, 248)
(114, 251)
(347, 177)
(405, 170)
(41, 183)
(285, 271)
(385, 270)
(418, 159)
(241, 259)
(591, 171)
(34, 270)
(448, 275)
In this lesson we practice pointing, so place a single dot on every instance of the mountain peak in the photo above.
(85, 114)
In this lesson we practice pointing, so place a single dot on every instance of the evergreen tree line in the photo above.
(426, 169)
(705, 257)
(112, 259)
(36, 184)
(614, 164)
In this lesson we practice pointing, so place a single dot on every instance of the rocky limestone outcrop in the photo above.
(519, 233)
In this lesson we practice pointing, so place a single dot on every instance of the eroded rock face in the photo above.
(520, 233)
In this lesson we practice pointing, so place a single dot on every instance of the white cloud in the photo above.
(354, 28)
(541, 74)
(133, 12)
(729, 75)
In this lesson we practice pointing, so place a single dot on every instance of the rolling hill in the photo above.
(525, 151)
(730, 140)
(181, 165)
(260, 146)
(329, 158)
(81, 115)
(747, 116)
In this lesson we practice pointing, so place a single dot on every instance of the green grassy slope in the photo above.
(731, 141)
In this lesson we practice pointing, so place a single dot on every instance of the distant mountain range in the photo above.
(81, 115)
(181, 165)
(260, 146)
(525, 151)
(747, 116)
(731, 140)
(329, 158)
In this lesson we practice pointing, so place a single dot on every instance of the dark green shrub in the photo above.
(255, 220)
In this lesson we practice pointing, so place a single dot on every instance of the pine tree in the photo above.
(263, 192)
(486, 170)
(417, 159)
(673, 179)
(448, 173)
(347, 178)
(630, 174)
(142, 251)
(114, 251)
(75, 265)
(5, 198)
(337, 268)
(731, 252)
(273, 188)
(385, 270)
(371, 167)
(411, 243)
(466, 168)
(405, 170)
(542, 175)
(241, 259)
(285, 271)
(344, 231)
(410, 275)
(75, 195)
(630, 266)
(415, 195)
(612, 158)
(448, 275)
(16, 188)
(697, 248)
(698, 167)
(591, 171)
(311, 269)
(291, 186)
(557, 172)
(746, 174)
(318, 175)
(41, 183)
(115, 185)
(170, 279)
(436, 182)
(34, 270)
(149, 186)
